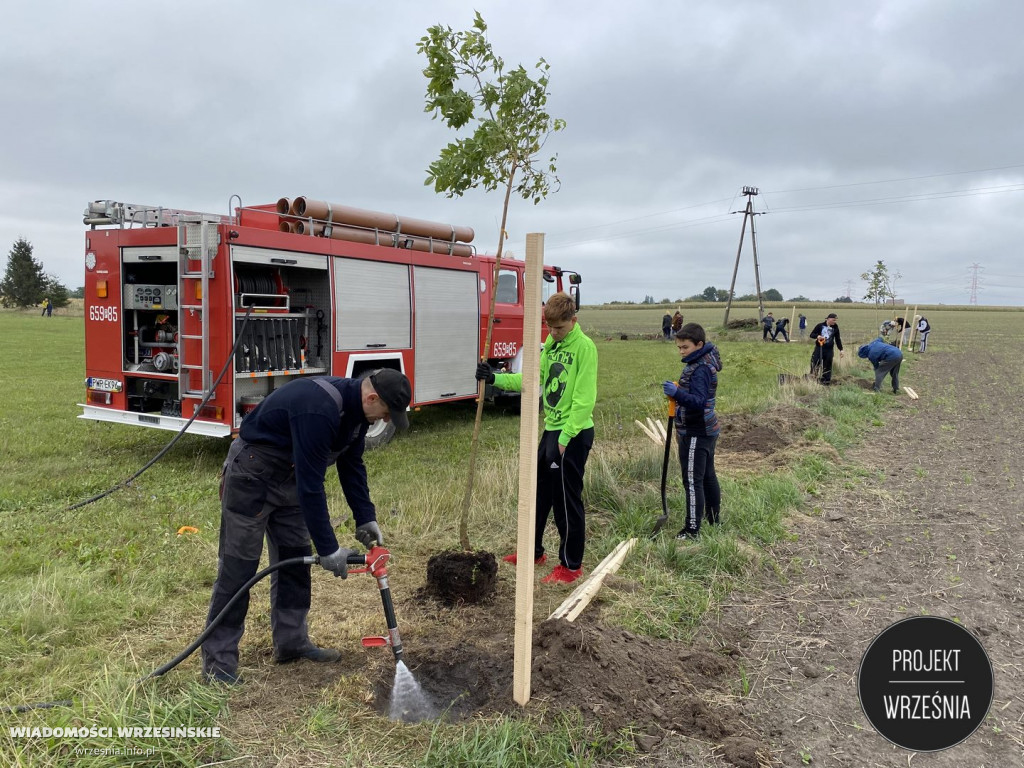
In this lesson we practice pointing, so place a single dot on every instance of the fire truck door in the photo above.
(447, 328)
(374, 307)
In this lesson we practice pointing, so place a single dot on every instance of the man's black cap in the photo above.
(832, 315)
(394, 389)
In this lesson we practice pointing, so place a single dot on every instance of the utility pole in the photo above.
(974, 282)
(748, 212)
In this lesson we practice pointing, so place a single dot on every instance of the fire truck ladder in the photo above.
(197, 247)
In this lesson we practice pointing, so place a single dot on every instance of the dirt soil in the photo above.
(935, 527)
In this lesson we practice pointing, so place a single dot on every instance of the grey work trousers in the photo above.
(259, 498)
(892, 367)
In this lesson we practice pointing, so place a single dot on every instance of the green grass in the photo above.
(96, 598)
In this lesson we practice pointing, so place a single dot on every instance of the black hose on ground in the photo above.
(308, 560)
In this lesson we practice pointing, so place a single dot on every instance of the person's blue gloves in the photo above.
(670, 388)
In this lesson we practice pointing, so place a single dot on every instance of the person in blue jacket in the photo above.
(272, 485)
(697, 427)
(886, 359)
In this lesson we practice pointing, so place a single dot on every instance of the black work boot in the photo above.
(311, 652)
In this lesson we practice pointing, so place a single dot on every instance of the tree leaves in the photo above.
(467, 86)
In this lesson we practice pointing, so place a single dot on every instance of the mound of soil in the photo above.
(764, 433)
(615, 678)
(454, 577)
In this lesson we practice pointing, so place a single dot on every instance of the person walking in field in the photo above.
(46, 308)
(886, 359)
(568, 374)
(697, 427)
(826, 334)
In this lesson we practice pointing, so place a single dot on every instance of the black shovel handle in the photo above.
(660, 522)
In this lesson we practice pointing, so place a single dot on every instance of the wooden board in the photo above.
(528, 425)
(581, 596)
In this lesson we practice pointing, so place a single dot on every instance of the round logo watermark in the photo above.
(925, 683)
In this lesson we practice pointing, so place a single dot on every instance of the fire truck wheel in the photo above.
(379, 434)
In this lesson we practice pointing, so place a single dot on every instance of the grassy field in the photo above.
(95, 598)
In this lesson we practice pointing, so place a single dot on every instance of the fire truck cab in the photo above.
(194, 315)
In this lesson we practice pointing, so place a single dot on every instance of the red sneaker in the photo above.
(514, 559)
(562, 575)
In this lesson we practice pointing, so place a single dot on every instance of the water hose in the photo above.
(374, 561)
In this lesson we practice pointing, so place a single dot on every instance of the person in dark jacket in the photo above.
(886, 359)
(273, 485)
(697, 426)
(780, 327)
(826, 334)
(666, 326)
(803, 322)
(923, 329)
(767, 324)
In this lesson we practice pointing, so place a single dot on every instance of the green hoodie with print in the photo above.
(568, 375)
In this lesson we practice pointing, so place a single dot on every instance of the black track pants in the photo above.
(700, 483)
(560, 489)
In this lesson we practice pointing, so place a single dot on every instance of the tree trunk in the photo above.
(468, 498)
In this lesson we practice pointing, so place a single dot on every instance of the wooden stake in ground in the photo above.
(528, 426)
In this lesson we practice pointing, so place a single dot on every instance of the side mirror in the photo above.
(574, 293)
(574, 278)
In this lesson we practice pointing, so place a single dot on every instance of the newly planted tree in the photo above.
(504, 112)
(881, 284)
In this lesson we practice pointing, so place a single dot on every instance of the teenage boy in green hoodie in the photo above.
(568, 374)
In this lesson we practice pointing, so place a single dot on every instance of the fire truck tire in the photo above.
(379, 434)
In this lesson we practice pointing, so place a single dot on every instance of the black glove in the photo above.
(337, 563)
(369, 534)
(484, 373)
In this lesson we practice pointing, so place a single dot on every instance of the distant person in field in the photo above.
(697, 427)
(46, 306)
(803, 322)
(903, 328)
(886, 359)
(826, 334)
(568, 375)
(677, 322)
(49, 308)
(666, 326)
(923, 329)
(767, 324)
(780, 327)
(886, 328)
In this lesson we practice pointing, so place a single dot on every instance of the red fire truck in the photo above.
(297, 288)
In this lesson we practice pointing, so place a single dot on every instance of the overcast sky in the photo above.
(877, 129)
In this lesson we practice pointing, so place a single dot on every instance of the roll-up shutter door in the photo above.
(447, 333)
(373, 305)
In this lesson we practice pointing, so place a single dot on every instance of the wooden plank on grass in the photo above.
(911, 393)
(584, 593)
(647, 431)
(528, 424)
